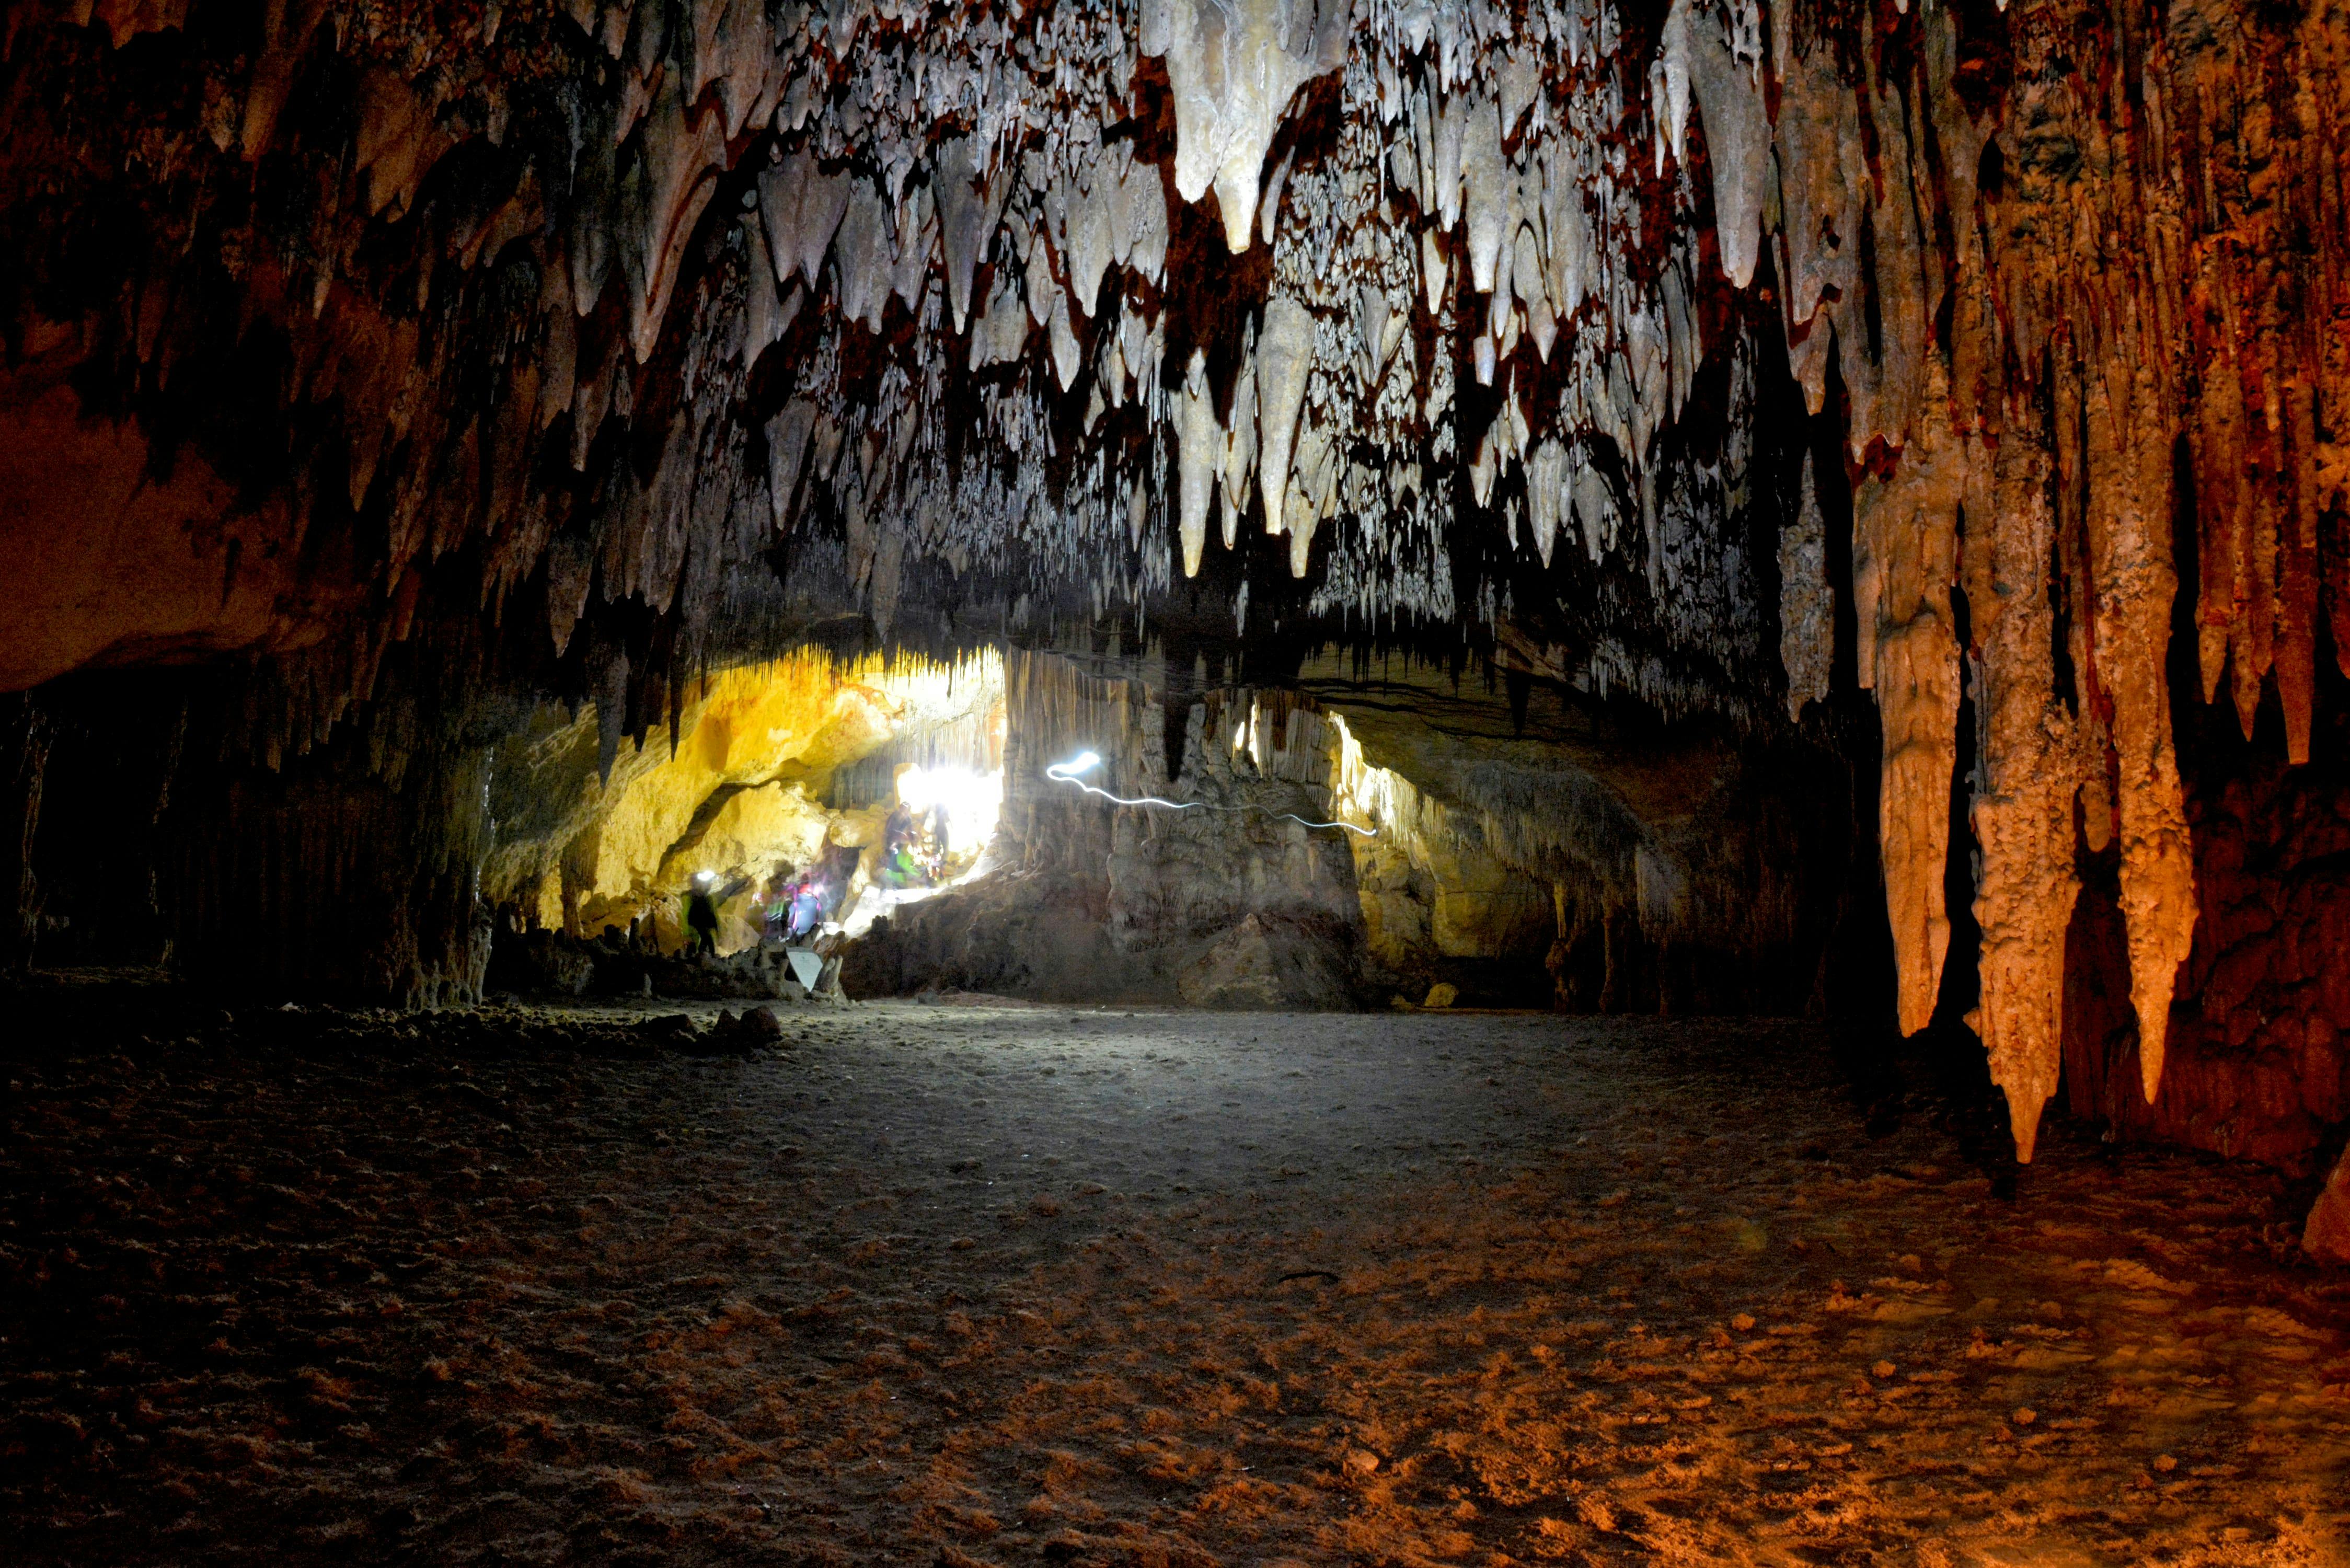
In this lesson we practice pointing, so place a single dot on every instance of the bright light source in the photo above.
(1083, 763)
(706, 875)
(972, 802)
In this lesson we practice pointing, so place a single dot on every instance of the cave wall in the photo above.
(739, 781)
(1539, 855)
(1228, 903)
(157, 839)
(428, 366)
(1539, 845)
(2256, 1065)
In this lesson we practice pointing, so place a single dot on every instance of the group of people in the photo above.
(789, 909)
(795, 903)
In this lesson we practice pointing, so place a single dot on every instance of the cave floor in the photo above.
(956, 1284)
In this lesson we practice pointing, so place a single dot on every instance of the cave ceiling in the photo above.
(1693, 353)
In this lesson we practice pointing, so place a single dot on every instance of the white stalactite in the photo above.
(1285, 355)
(1234, 68)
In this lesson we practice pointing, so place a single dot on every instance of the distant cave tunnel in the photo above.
(1186, 783)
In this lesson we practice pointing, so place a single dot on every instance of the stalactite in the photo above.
(1904, 550)
(1806, 603)
(2128, 531)
(695, 326)
(27, 734)
(2027, 772)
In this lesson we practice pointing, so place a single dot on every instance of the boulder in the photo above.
(1269, 962)
(729, 1034)
(2326, 1236)
(540, 963)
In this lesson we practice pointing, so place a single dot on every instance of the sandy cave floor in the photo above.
(1004, 1285)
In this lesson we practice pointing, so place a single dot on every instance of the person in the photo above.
(935, 847)
(808, 907)
(776, 908)
(898, 831)
(701, 917)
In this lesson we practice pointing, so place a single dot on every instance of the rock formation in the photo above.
(432, 366)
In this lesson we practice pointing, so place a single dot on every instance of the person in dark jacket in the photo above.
(701, 917)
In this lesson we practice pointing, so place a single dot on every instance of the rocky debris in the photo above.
(544, 963)
(728, 1034)
(673, 1030)
(758, 1023)
(548, 965)
(135, 1018)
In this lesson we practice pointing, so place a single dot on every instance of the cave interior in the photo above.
(1176, 781)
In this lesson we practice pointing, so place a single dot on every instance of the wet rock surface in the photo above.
(984, 1283)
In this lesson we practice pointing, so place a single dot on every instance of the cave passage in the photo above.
(980, 1283)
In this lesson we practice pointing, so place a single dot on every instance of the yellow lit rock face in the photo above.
(741, 796)
(1464, 865)
(1429, 882)
(755, 828)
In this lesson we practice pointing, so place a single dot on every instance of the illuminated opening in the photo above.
(800, 797)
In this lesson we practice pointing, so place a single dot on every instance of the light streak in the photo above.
(1071, 772)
